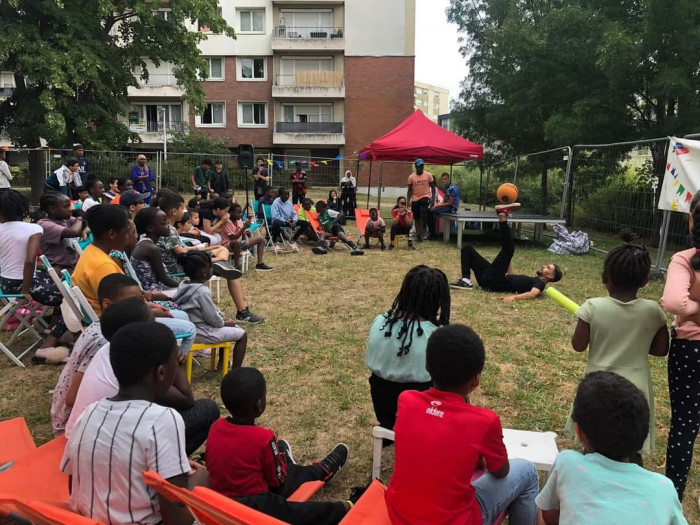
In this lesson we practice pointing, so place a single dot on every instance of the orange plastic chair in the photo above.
(37, 475)
(370, 509)
(316, 225)
(16, 441)
(41, 513)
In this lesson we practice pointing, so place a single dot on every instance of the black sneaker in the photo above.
(284, 446)
(262, 267)
(334, 462)
(246, 316)
(226, 270)
(356, 251)
(461, 285)
(319, 249)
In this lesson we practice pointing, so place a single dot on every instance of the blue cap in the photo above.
(419, 162)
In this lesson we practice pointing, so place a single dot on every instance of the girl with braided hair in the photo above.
(622, 330)
(682, 298)
(398, 339)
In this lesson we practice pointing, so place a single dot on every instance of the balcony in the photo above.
(151, 131)
(285, 38)
(309, 133)
(6, 92)
(309, 84)
(163, 85)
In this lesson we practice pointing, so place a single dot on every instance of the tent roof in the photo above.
(419, 137)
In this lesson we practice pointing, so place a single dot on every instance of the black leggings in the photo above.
(684, 390)
(398, 230)
(304, 227)
(198, 420)
(490, 276)
(385, 398)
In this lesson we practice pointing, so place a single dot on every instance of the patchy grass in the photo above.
(311, 350)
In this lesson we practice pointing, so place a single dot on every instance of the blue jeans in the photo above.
(180, 325)
(516, 492)
(435, 214)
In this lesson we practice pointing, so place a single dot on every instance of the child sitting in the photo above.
(248, 463)
(375, 228)
(303, 223)
(332, 228)
(441, 439)
(611, 419)
(621, 331)
(235, 234)
(397, 341)
(189, 235)
(194, 297)
(267, 199)
(146, 258)
(129, 433)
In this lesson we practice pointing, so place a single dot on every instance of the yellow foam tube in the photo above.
(561, 299)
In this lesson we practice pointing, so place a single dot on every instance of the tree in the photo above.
(195, 142)
(73, 62)
(544, 73)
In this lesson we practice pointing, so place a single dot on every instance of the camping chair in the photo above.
(316, 225)
(70, 309)
(370, 509)
(16, 441)
(11, 304)
(79, 246)
(361, 220)
(39, 512)
(88, 310)
(285, 231)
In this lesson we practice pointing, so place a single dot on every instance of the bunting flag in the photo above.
(278, 164)
(324, 162)
(314, 164)
(269, 162)
(339, 157)
(682, 177)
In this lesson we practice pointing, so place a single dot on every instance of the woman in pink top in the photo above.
(682, 298)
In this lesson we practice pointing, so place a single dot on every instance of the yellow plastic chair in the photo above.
(224, 350)
(399, 239)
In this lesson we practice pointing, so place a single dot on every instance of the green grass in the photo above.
(311, 350)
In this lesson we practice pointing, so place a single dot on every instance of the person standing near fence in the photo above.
(261, 178)
(682, 299)
(142, 175)
(348, 188)
(219, 181)
(5, 173)
(420, 186)
(83, 169)
(64, 177)
(201, 179)
(298, 179)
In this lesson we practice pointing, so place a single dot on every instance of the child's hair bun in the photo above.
(627, 235)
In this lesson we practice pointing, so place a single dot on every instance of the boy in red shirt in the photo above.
(441, 439)
(247, 462)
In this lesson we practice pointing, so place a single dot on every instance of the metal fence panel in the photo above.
(103, 164)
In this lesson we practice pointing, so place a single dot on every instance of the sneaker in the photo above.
(332, 244)
(226, 270)
(461, 285)
(262, 267)
(356, 251)
(246, 316)
(506, 208)
(294, 246)
(390, 247)
(277, 248)
(334, 462)
(319, 250)
(284, 447)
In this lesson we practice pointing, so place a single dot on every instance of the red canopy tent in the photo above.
(419, 137)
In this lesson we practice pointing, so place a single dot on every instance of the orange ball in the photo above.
(507, 193)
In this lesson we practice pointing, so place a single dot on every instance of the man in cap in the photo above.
(420, 191)
(133, 201)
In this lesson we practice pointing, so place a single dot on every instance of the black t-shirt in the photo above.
(206, 213)
(524, 283)
(259, 184)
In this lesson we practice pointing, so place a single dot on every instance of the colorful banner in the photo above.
(682, 177)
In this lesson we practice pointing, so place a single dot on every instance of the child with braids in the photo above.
(621, 330)
(397, 341)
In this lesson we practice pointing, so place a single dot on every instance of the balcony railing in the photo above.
(311, 79)
(158, 79)
(290, 32)
(309, 127)
(153, 126)
(6, 91)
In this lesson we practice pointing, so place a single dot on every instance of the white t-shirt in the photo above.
(114, 441)
(14, 237)
(88, 203)
(99, 382)
(5, 175)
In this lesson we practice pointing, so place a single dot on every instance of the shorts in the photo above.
(336, 229)
(420, 207)
(207, 333)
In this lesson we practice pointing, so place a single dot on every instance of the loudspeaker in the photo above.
(246, 157)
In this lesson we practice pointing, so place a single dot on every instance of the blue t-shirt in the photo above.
(452, 191)
(591, 488)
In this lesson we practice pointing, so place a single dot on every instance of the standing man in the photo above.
(298, 179)
(142, 175)
(449, 205)
(5, 173)
(201, 179)
(420, 185)
(262, 179)
(83, 167)
(219, 180)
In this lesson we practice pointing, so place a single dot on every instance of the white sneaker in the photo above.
(294, 246)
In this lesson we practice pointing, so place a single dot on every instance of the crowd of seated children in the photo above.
(283, 216)
(375, 228)
(303, 224)
(625, 350)
(193, 208)
(95, 190)
(397, 342)
(239, 238)
(99, 381)
(59, 227)
(129, 433)
(146, 258)
(332, 228)
(189, 235)
(171, 247)
(611, 420)
(123, 184)
(401, 222)
(194, 297)
(248, 463)
(213, 216)
(132, 201)
(442, 439)
(82, 194)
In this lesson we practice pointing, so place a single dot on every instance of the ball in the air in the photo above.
(507, 193)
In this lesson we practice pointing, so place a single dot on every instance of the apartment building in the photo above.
(431, 100)
(315, 78)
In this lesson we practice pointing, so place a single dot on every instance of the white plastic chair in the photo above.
(84, 304)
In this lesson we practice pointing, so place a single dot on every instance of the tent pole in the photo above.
(481, 184)
(369, 183)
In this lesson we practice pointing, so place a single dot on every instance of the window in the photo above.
(216, 68)
(252, 20)
(307, 113)
(252, 114)
(437, 96)
(252, 69)
(162, 14)
(290, 67)
(419, 91)
(436, 106)
(151, 117)
(425, 91)
(307, 23)
(419, 102)
(214, 115)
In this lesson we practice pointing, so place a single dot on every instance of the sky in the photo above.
(438, 61)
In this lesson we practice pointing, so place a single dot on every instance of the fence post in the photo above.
(515, 175)
(565, 195)
(665, 227)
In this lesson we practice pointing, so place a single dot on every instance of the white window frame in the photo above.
(239, 69)
(308, 105)
(166, 13)
(223, 70)
(198, 118)
(242, 124)
(239, 19)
